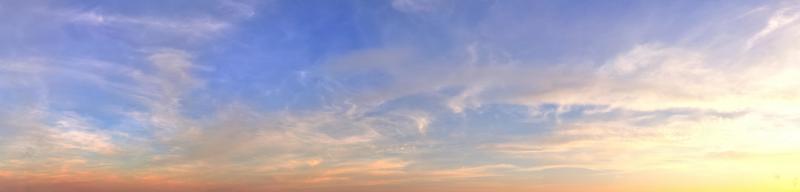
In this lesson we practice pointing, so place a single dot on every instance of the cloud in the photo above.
(470, 172)
(663, 107)
(378, 167)
(422, 124)
(780, 19)
(648, 76)
(244, 9)
(75, 134)
(468, 110)
(195, 27)
(413, 6)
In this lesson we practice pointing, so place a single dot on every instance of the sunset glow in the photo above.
(399, 95)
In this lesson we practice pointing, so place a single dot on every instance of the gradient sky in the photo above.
(402, 95)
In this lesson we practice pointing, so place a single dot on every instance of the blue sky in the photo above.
(398, 95)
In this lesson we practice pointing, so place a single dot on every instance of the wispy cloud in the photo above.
(194, 27)
(398, 95)
(780, 19)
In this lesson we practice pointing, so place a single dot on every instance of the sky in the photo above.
(399, 95)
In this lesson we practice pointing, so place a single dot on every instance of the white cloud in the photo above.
(195, 28)
(780, 19)
(84, 141)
